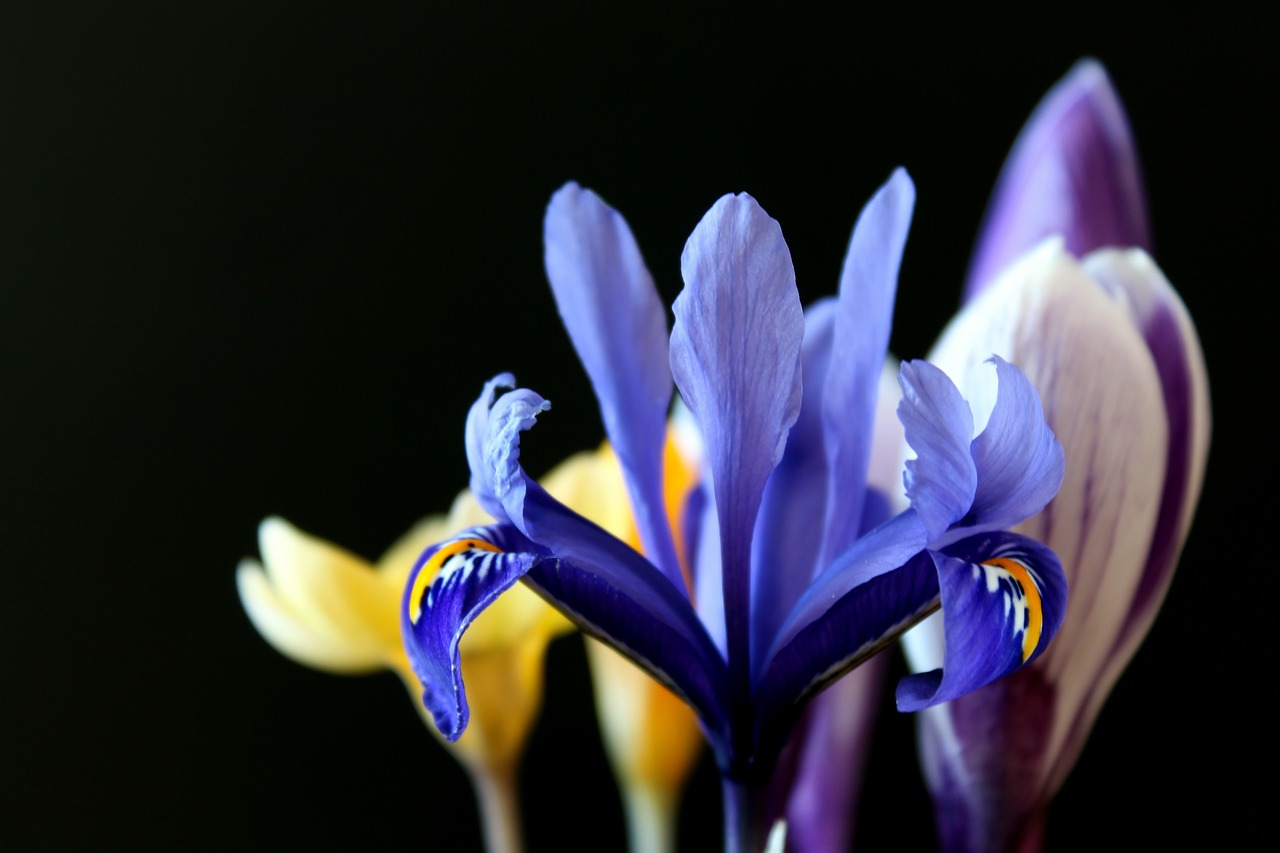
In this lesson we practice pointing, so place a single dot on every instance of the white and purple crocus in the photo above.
(797, 570)
(1062, 283)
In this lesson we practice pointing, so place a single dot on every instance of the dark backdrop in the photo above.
(258, 258)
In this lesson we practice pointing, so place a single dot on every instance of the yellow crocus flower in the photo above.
(326, 608)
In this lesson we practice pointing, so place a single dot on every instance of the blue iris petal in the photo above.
(618, 326)
(1003, 598)
(788, 535)
(735, 355)
(868, 284)
(942, 479)
(1020, 462)
(467, 574)
(599, 581)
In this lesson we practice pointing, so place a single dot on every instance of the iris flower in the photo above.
(1115, 353)
(784, 401)
(324, 607)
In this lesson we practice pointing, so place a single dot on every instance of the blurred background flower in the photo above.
(1118, 362)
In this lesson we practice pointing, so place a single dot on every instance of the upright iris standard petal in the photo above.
(1019, 460)
(942, 479)
(789, 528)
(735, 355)
(1073, 172)
(860, 342)
(618, 326)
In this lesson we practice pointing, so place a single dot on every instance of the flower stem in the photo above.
(741, 829)
(651, 813)
(499, 802)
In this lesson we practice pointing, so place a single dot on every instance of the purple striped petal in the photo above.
(447, 589)
(1072, 172)
(618, 325)
(824, 794)
(1102, 396)
(1166, 326)
(981, 760)
(868, 286)
(942, 480)
(1160, 317)
(1003, 599)
(735, 355)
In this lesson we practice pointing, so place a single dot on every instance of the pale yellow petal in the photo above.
(329, 588)
(590, 483)
(295, 636)
(398, 560)
(651, 737)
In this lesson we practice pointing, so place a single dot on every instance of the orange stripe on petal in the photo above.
(433, 566)
(1031, 593)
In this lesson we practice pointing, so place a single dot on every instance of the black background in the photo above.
(258, 258)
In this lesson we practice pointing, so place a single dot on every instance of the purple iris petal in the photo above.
(942, 480)
(868, 285)
(618, 325)
(881, 550)
(602, 583)
(474, 568)
(477, 432)
(686, 662)
(1003, 598)
(1073, 171)
(788, 535)
(859, 624)
(1019, 460)
(824, 793)
(735, 355)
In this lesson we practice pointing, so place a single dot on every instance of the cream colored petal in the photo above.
(398, 560)
(1140, 289)
(1102, 397)
(329, 588)
(293, 635)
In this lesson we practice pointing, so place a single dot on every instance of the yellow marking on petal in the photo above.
(433, 566)
(1035, 623)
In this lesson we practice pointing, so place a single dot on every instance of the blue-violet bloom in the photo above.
(784, 402)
